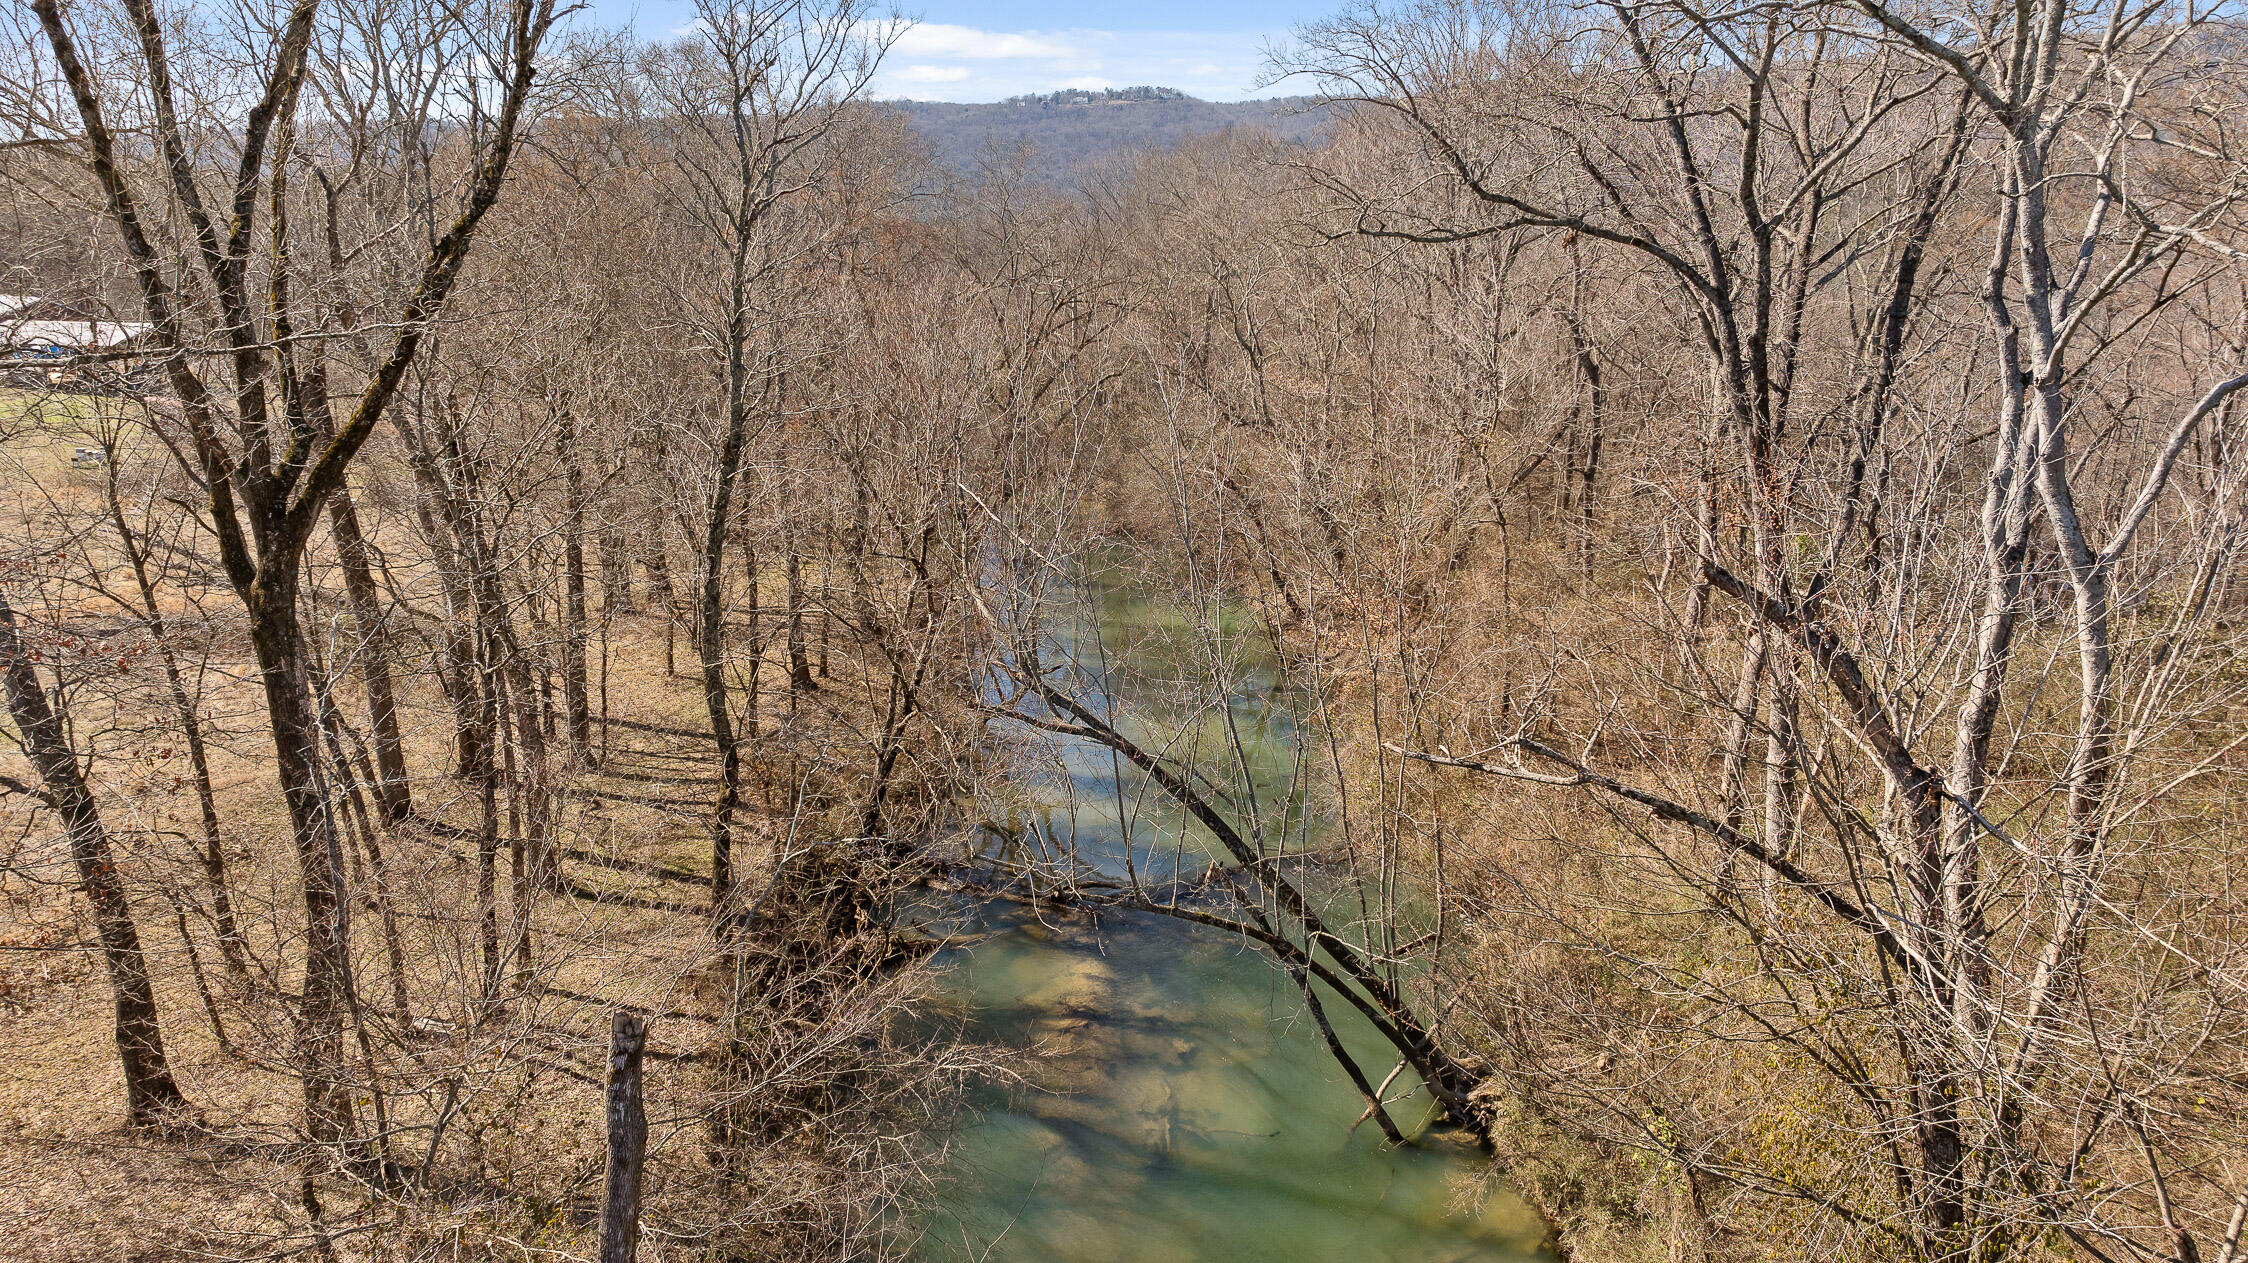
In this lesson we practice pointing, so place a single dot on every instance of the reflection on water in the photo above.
(1184, 1108)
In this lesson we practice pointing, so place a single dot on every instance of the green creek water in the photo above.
(1185, 1107)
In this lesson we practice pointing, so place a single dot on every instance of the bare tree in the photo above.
(268, 469)
(750, 103)
(1608, 132)
(152, 1099)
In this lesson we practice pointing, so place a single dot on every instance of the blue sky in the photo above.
(987, 50)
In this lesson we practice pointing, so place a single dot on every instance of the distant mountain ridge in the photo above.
(1098, 96)
(1068, 128)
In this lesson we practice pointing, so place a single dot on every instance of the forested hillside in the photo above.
(1057, 134)
(1632, 646)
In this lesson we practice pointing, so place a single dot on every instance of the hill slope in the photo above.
(1067, 129)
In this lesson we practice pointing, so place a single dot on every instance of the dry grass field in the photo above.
(628, 925)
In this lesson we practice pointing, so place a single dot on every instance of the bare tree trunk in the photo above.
(574, 703)
(534, 776)
(712, 617)
(628, 1140)
(151, 1096)
(524, 855)
(202, 982)
(799, 659)
(506, 668)
(753, 620)
(1732, 778)
(324, 1008)
(1782, 791)
(370, 838)
(213, 856)
(458, 663)
(662, 595)
(827, 590)
(616, 573)
(488, 818)
(392, 791)
(1588, 363)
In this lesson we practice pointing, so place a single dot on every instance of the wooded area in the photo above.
(568, 563)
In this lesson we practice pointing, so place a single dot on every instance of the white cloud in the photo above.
(1215, 65)
(931, 74)
(936, 39)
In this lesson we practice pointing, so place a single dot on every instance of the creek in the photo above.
(1179, 1103)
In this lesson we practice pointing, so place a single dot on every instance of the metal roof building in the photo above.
(33, 326)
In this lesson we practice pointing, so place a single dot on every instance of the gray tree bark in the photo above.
(628, 1140)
